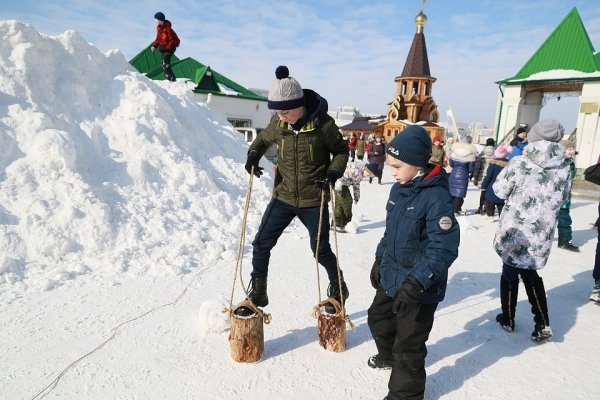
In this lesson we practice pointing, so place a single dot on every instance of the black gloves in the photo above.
(252, 161)
(375, 275)
(332, 176)
(407, 295)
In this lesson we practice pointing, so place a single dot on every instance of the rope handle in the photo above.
(239, 260)
(337, 260)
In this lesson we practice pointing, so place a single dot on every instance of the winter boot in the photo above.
(333, 291)
(595, 296)
(536, 293)
(509, 292)
(541, 333)
(568, 246)
(377, 362)
(257, 294)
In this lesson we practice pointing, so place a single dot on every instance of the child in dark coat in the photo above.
(410, 272)
(462, 162)
(495, 166)
(376, 155)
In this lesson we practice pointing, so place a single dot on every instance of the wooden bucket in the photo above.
(246, 336)
(332, 328)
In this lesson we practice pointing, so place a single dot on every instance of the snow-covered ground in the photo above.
(121, 202)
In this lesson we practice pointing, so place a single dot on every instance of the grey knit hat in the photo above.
(549, 129)
(285, 93)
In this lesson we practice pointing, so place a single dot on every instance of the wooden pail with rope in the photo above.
(246, 336)
(331, 327)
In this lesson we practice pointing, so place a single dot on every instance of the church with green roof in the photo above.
(241, 106)
(565, 63)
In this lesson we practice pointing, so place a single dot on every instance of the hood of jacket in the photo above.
(316, 108)
(545, 154)
(463, 152)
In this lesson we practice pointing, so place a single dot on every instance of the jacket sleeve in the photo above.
(442, 248)
(381, 246)
(491, 172)
(478, 171)
(266, 138)
(338, 147)
(356, 190)
(504, 184)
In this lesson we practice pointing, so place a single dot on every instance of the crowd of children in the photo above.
(527, 183)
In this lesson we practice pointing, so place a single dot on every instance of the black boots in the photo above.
(257, 294)
(377, 362)
(333, 291)
(568, 246)
(536, 293)
(509, 292)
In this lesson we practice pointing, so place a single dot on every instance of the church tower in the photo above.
(414, 103)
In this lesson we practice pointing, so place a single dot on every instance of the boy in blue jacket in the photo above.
(411, 265)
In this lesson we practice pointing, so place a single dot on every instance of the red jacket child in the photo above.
(165, 36)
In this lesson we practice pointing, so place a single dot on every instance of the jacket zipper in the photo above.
(296, 168)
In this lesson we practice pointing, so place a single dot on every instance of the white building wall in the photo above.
(240, 108)
(516, 107)
(588, 125)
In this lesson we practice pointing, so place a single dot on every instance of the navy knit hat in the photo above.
(285, 93)
(412, 145)
(159, 16)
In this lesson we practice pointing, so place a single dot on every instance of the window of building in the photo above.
(239, 122)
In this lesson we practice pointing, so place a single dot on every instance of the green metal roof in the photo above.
(185, 68)
(147, 60)
(567, 48)
(208, 80)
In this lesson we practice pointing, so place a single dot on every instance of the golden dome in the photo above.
(421, 19)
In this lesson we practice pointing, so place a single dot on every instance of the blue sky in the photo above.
(348, 51)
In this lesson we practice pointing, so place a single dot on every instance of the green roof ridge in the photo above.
(567, 48)
(150, 63)
(148, 60)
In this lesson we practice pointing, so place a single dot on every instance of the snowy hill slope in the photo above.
(103, 171)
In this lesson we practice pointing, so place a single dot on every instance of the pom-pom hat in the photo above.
(285, 93)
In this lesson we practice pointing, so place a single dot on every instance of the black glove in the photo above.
(375, 274)
(407, 295)
(161, 48)
(332, 176)
(252, 161)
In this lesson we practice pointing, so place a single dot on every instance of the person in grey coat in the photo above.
(534, 185)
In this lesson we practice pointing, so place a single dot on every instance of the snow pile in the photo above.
(105, 172)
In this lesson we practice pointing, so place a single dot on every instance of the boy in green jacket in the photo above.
(312, 155)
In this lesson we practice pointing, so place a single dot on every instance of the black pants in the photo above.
(166, 63)
(400, 338)
(457, 203)
(490, 208)
(276, 218)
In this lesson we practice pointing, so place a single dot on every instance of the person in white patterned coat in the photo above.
(534, 185)
(353, 175)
